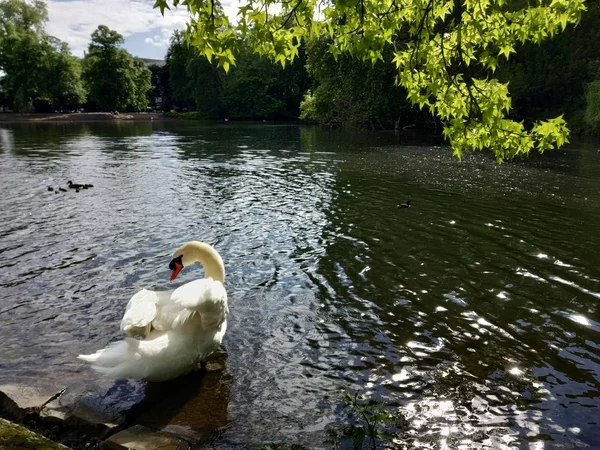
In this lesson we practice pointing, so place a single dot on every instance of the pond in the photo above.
(474, 313)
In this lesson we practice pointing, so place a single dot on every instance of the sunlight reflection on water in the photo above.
(472, 313)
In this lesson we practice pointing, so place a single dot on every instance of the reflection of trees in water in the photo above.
(7, 140)
(62, 140)
(46, 141)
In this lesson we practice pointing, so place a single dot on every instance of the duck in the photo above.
(74, 185)
(61, 189)
(170, 333)
(405, 204)
(50, 189)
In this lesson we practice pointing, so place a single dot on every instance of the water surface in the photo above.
(474, 312)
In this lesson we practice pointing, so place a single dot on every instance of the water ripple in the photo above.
(473, 313)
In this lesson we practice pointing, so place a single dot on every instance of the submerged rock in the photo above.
(194, 407)
(139, 437)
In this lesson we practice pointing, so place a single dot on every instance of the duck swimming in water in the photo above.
(74, 185)
(405, 204)
(79, 186)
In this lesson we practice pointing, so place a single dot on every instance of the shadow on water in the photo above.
(194, 406)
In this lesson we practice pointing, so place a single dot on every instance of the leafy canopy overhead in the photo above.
(446, 52)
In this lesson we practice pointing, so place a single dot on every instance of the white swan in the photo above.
(180, 328)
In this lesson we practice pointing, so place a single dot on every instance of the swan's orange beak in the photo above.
(176, 271)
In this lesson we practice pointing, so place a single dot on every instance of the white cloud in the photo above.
(160, 40)
(74, 21)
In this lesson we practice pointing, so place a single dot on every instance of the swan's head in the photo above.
(195, 251)
(183, 257)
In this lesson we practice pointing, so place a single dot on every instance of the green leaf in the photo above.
(162, 5)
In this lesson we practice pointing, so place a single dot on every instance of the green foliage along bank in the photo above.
(254, 89)
(115, 80)
(552, 78)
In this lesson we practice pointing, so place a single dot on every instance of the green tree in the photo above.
(160, 95)
(63, 79)
(291, 84)
(592, 100)
(446, 61)
(352, 92)
(23, 58)
(196, 83)
(142, 84)
(22, 50)
(20, 16)
(115, 80)
(254, 88)
(37, 68)
(250, 88)
(550, 78)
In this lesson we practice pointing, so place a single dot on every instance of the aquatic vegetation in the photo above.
(371, 423)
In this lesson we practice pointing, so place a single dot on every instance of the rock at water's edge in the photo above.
(17, 400)
(16, 437)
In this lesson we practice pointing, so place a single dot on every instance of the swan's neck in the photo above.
(207, 256)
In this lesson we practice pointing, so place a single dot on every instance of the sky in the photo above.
(145, 30)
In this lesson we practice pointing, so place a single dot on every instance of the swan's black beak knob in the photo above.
(176, 265)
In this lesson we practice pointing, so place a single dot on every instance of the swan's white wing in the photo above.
(170, 316)
(141, 310)
(206, 297)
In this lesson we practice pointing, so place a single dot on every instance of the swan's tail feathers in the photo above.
(121, 359)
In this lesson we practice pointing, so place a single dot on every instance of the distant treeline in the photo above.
(560, 76)
(40, 74)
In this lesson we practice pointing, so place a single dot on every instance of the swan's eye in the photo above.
(175, 262)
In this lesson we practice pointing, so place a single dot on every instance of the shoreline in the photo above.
(83, 117)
